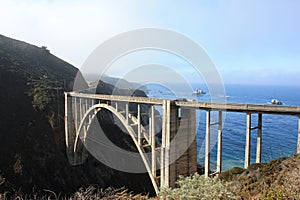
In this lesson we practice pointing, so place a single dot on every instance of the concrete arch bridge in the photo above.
(164, 140)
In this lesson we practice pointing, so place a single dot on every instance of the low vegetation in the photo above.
(198, 187)
(278, 179)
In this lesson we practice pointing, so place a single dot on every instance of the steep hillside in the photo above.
(278, 179)
(32, 148)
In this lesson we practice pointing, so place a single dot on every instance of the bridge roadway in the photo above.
(213, 106)
(171, 120)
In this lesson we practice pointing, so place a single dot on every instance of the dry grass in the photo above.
(90, 193)
(278, 179)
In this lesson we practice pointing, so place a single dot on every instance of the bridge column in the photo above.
(219, 155)
(173, 132)
(81, 114)
(163, 146)
(167, 144)
(117, 108)
(84, 109)
(139, 122)
(183, 147)
(86, 105)
(90, 104)
(207, 145)
(187, 162)
(259, 139)
(298, 146)
(126, 112)
(86, 124)
(152, 139)
(75, 113)
(247, 145)
(70, 128)
(68, 108)
(80, 110)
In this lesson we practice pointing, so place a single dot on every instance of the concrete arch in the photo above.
(95, 109)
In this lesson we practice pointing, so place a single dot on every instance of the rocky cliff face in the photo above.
(32, 150)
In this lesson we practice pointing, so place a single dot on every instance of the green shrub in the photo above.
(228, 175)
(198, 187)
(274, 193)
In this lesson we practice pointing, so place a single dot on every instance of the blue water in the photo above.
(279, 137)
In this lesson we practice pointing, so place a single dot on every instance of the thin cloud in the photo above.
(234, 33)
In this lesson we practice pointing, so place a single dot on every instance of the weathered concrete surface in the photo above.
(183, 144)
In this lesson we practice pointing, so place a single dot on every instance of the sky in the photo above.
(250, 42)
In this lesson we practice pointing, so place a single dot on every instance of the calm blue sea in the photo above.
(279, 131)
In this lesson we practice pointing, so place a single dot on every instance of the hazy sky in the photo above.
(254, 41)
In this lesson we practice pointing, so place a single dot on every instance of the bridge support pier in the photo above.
(219, 154)
(139, 123)
(259, 139)
(152, 139)
(165, 146)
(248, 141)
(174, 124)
(207, 145)
(298, 145)
(69, 125)
(183, 149)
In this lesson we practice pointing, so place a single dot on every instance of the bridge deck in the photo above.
(131, 99)
(246, 108)
(218, 106)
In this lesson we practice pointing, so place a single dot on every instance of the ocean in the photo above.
(279, 132)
